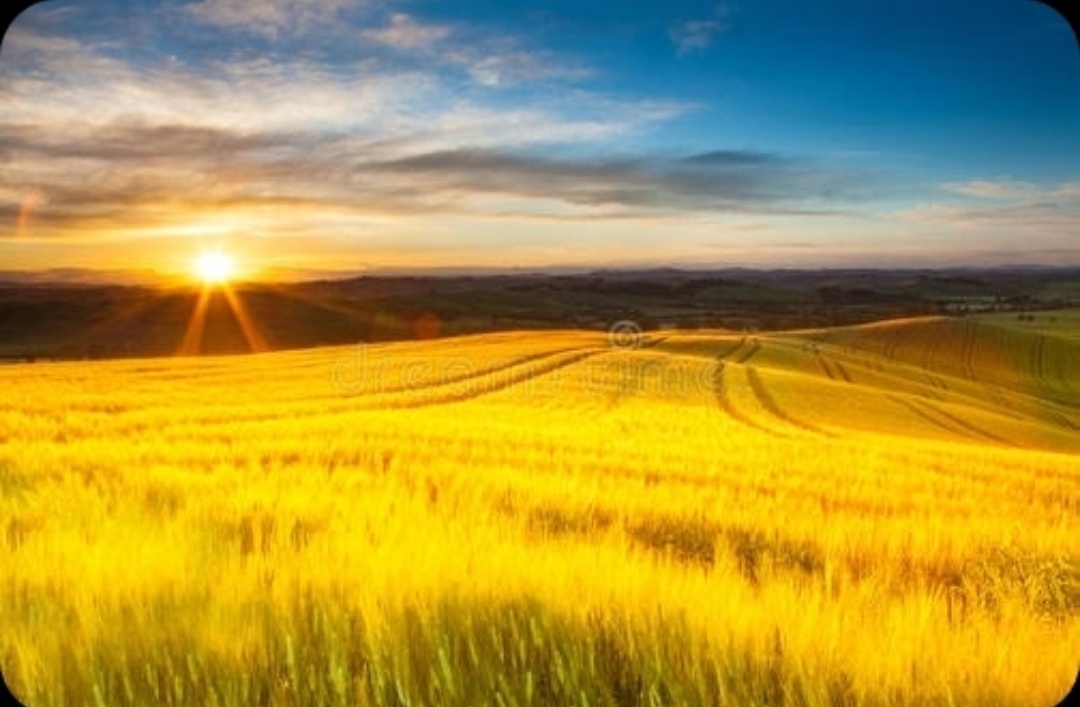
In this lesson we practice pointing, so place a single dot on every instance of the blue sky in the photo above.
(351, 134)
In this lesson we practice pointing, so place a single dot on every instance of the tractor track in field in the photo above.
(416, 395)
(843, 372)
(724, 402)
(892, 342)
(964, 424)
(1060, 419)
(768, 402)
(749, 353)
(923, 415)
(944, 420)
(1048, 387)
(467, 373)
(491, 382)
(933, 384)
(824, 364)
(1039, 358)
(732, 350)
(1002, 405)
(967, 348)
(836, 371)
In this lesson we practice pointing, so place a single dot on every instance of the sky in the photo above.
(358, 135)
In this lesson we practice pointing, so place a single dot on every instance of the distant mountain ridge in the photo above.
(120, 276)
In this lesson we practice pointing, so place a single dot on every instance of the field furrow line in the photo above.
(843, 371)
(1039, 358)
(970, 339)
(922, 414)
(1059, 419)
(468, 373)
(732, 350)
(749, 353)
(723, 400)
(964, 424)
(824, 364)
(928, 350)
(944, 420)
(1002, 405)
(892, 343)
(463, 390)
(768, 402)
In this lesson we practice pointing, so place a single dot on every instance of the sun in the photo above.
(214, 267)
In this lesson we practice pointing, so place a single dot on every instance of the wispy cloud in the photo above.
(1068, 190)
(500, 61)
(405, 32)
(992, 188)
(133, 171)
(68, 87)
(1018, 221)
(269, 17)
(409, 125)
(1004, 205)
(108, 143)
(508, 66)
(698, 35)
(649, 182)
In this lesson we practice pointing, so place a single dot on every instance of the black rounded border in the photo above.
(8, 13)
(1068, 9)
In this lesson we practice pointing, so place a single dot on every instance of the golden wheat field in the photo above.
(876, 515)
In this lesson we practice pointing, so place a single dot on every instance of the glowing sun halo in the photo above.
(214, 267)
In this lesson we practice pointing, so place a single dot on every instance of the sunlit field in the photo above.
(876, 515)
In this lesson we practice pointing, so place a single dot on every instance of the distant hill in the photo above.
(76, 314)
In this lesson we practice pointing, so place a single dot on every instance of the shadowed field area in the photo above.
(881, 514)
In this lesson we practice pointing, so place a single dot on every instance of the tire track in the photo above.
(493, 383)
(946, 421)
(1002, 405)
(755, 346)
(964, 424)
(893, 342)
(934, 382)
(824, 364)
(455, 379)
(731, 351)
(1039, 358)
(836, 371)
(768, 402)
(926, 417)
(1060, 419)
(971, 336)
(724, 402)
(928, 347)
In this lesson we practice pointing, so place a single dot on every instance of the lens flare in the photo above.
(214, 267)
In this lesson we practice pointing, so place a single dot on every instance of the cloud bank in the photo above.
(269, 18)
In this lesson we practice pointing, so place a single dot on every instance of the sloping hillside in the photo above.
(878, 516)
(954, 379)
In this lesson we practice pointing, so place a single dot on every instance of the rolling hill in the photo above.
(881, 514)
